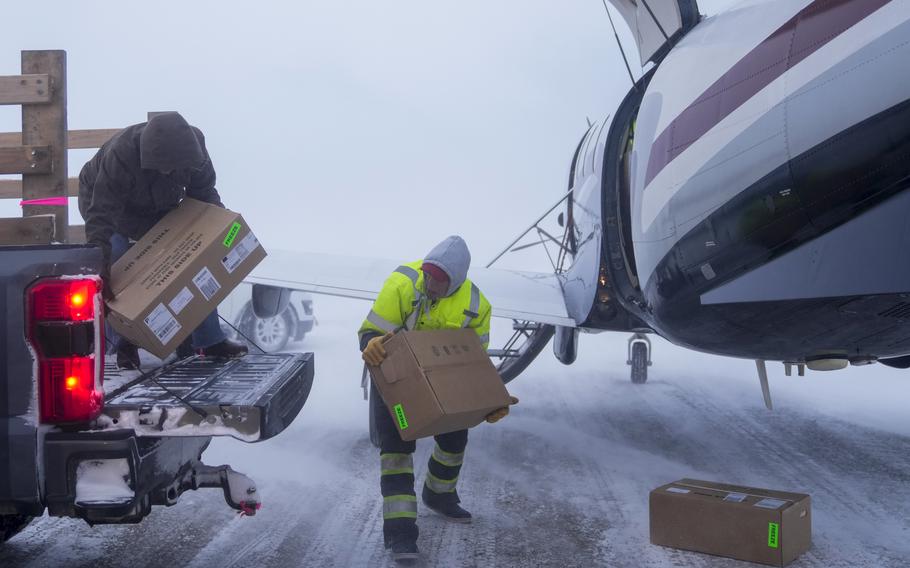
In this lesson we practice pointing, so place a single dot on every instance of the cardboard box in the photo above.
(746, 523)
(178, 273)
(438, 381)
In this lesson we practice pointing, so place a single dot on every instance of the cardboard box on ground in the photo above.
(438, 381)
(178, 273)
(745, 523)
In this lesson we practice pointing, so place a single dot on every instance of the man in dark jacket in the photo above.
(134, 180)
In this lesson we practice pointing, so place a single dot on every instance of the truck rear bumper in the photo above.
(147, 447)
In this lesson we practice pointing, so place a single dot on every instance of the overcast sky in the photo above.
(360, 128)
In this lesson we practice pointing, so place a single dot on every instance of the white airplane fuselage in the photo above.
(748, 196)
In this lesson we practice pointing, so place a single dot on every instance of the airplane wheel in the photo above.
(526, 343)
(639, 363)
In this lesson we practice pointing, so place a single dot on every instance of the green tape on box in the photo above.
(773, 535)
(402, 420)
(232, 234)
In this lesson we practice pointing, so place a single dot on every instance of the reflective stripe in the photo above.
(381, 322)
(437, 485)
(409, 272)
(399, 507)
(474, 307)
(446, 458)
(393, 464)
(485, 338)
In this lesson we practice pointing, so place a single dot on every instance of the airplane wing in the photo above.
(518, 295)
(655, 22)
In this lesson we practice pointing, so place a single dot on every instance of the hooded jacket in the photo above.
(402, 303)
(122, 188)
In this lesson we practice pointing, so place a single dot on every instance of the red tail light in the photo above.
(64, 327)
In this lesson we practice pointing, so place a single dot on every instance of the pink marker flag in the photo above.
(44, 201)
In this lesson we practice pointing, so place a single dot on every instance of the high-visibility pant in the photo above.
(399, 506)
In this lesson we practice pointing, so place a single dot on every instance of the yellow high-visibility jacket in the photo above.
(404, 293)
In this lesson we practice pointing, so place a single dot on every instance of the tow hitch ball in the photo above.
(239, 490)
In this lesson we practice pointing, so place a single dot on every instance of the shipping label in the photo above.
(402, 420)
(773, 535)
(244, 248)
(180, 301)
(162, 323)
(232, 234)
(206, 283)
(770, 503)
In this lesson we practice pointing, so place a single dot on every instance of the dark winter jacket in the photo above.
(122, 189)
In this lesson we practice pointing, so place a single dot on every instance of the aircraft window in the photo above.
(575, 162)
(596, 145)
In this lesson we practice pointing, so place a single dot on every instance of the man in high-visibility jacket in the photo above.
(430, 294)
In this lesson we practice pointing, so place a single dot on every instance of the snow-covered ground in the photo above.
(563, 481)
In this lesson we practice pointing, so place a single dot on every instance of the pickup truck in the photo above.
(80, 439)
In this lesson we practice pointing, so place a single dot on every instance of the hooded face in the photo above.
(453, 258)
(168, 143)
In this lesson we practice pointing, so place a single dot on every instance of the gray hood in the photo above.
(168, 142)
(454, 258)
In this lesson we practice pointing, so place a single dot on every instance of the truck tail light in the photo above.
(64, 326)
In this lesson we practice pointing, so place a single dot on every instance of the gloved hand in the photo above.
(498, 415)
(374, 353)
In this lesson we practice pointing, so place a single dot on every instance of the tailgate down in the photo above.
(252, 398)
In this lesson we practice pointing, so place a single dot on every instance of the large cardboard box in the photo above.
(438, 381)
(746, 523)
(178, 273)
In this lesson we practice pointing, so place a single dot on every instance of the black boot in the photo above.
(445, 505)
(127, 356)
(185, 349)
(226, 349)
(404, 550)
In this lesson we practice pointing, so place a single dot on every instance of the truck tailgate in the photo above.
(252, 398)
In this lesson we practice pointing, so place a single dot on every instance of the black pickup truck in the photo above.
(78, 439)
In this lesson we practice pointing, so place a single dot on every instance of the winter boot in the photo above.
(404, 551)
(445, 505)
(185, 349)
(127, 356)
(227, 349)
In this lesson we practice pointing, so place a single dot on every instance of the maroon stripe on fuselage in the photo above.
(807, 31)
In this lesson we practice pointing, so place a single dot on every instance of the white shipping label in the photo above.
(770, 503)
(241, 251)
(206, 283)
(181, 301)
(677, 490)
(735, 497)
(162, 323)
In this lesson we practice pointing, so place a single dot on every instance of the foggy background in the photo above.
(349, 127)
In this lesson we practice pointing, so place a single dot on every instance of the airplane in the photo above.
(748, 197)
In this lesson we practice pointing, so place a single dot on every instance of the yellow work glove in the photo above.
(375, 352)
(501, 413)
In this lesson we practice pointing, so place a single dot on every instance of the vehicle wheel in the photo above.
(10, 525)
(639, 363)
(527, 341)
(374, 431)
(271, 334)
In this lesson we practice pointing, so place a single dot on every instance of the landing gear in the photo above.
(639, 358)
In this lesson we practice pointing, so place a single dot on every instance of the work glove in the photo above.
(501, 413)
(374, 353)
